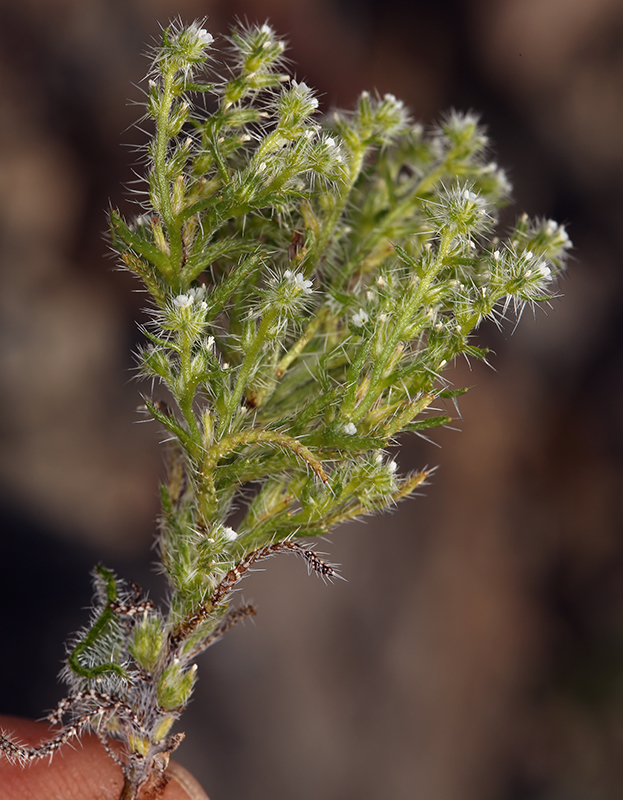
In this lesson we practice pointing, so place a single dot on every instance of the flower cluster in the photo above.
(309, 280)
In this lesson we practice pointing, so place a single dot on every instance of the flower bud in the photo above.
(147, 642)
(175, 686)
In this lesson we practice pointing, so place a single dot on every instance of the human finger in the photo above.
(81, 770)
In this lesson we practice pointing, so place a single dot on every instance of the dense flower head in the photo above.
(460, 211)
(183, 47)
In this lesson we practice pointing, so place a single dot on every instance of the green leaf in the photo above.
(452, 393)
(227, 246)
(429, 422)
(144, 248)
(174, 427)
(237, 276)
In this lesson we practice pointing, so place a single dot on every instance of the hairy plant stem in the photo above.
(163, 180)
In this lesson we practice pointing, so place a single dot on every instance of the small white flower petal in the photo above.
(182, 301)
(204, 37)
(360, 318)
(544, 271)
(299, 281)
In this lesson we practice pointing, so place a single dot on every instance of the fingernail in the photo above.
(186, 781)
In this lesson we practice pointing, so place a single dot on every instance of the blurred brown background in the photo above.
(476, 651)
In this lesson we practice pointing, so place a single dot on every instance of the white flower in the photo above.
(471, 196)
(266, 29)
(544, 271)
(197, 294)
(182, 301)
(203, 37)
(329, 141)
(194, 295)
(298, 279)
(360, 318)
(350, 429)
(552, 228)
(229, 534)
(304, 89)
(391, 98)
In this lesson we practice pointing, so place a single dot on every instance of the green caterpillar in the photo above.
(98, 627)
